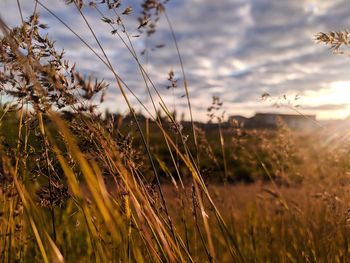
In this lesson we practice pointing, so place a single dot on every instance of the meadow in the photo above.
(80, 186)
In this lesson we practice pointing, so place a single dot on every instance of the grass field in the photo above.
(76, 186)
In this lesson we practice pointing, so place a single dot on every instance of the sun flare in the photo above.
(332, 101)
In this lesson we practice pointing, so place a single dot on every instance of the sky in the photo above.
(234, 49)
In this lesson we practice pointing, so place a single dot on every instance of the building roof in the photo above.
(286, 115)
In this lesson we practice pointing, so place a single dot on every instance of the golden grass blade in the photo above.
(57, 255)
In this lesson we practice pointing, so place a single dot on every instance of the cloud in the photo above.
(236, 49)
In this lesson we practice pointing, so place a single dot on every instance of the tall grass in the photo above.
(73, 187)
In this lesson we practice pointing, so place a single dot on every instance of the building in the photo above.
(271, 120)
(238, 120)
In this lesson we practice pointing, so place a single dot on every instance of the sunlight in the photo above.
(337, 92)
(335, 98)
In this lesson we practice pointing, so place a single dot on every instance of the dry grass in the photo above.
(74, 187)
